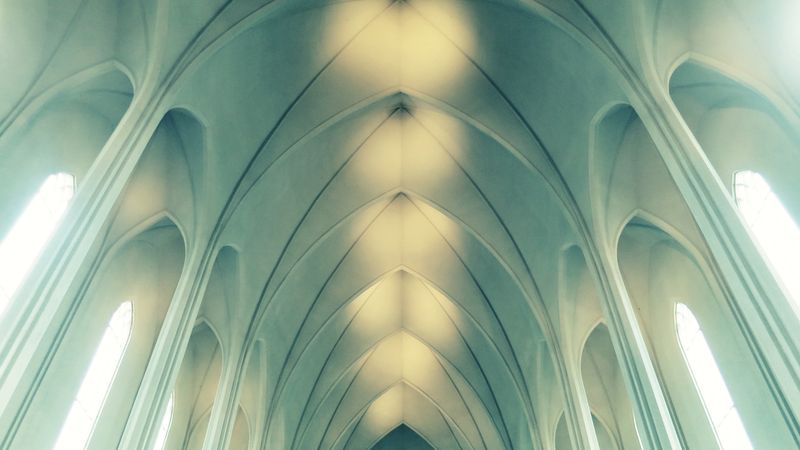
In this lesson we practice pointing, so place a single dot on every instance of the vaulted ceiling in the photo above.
(387, 187)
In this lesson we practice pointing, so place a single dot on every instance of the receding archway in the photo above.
(606, 391)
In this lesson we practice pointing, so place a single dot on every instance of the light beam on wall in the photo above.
(772, 226)
(30, 233)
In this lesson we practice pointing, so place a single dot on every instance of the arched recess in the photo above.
(581, 314)
(240, 437)
(580, 308)
(549, 392)
(43, 44)
(169, 176)
(739, 129)
(401, 403)
(450, 276)
(65, 134)
(742, 131)
(660, 271)
(628, 174)
(144, 269)
(561, 439)
(606, 391)
(605, 439)
(197, 385)
(221, 304)
(195, 389)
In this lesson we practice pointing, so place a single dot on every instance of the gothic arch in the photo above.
(144, 268)
(196, 388)
(608, 398)
(561, 439)
(712, 101)
(38, 147)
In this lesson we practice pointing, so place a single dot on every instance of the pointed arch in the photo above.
(605, 388)
(402, 436)
(659, 271)
(561, 439)
(240, 438)
(63, 131)
(144, 268)
(740, 126)
(196, 387)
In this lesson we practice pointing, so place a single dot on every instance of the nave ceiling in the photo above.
(402, 207)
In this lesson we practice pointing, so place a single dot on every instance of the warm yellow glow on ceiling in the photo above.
(402, 49)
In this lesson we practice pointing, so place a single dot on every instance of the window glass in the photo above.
(166, 421)
(772, 227)
(96, 383)
(27, 237)
(708, 379)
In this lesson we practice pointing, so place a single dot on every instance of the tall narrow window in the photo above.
(166, 421)
(708, 379)
(96, 383)
(772, 226)
(29, 234)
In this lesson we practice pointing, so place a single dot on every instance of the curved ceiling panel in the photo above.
(396, 214)
(401, 244)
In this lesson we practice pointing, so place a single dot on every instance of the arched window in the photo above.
(96, 383)
(728, 426)
(772, 226)
(29, 234)
(166, 421)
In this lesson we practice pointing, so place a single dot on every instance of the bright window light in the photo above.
(29, 234)
(708, 379)
(166, 421)
(96, 383)
(772, 227)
